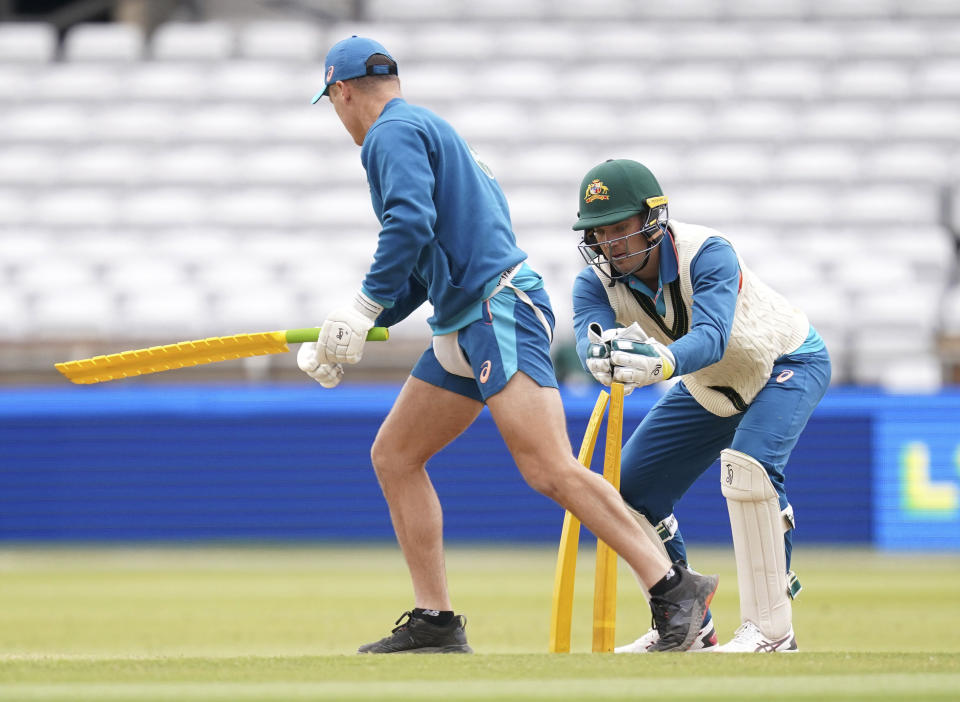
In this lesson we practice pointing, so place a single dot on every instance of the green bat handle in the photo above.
(298, 336)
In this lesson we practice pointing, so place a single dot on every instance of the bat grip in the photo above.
(296, 336)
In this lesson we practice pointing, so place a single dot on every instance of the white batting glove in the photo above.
(640, 363)
(328, 375)
(344, 331)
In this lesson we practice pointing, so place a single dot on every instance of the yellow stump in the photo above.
(605, 578)
(563, 581)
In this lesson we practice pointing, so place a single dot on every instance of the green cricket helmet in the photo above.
(610, 193)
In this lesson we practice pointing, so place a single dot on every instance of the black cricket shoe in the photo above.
(678, 614)
(417, 635)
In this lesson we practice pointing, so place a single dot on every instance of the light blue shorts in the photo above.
(509, 337)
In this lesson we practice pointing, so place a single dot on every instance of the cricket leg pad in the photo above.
(757, 524)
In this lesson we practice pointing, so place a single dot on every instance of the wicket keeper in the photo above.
(446, 238)
(662, 299)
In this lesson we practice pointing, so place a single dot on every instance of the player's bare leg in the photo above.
(423, 420)
(545, 458)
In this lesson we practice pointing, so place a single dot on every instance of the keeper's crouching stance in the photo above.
(663, 299)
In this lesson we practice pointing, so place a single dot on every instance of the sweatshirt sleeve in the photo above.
(716, 279)
(410, 298)
(590, 304)
(401, 176)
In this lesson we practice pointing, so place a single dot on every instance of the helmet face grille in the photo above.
(655, 219)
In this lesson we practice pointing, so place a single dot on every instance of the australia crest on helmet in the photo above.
(596, 190)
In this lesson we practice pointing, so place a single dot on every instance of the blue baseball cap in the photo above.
(348, 59)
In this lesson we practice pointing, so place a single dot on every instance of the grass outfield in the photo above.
(282, 623)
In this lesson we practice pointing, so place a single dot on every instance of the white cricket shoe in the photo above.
(749, 639)
(706, 641)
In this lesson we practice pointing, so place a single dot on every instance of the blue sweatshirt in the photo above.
(445, 231)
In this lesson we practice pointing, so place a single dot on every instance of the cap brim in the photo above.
(316, 98)
(604, 220)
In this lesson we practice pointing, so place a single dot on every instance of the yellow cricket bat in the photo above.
(191, 353)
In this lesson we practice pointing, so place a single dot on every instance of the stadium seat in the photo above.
(729, 163)
(623, 42)
(922, 120)
(262, 309)
(284, 165)
(53, 274)
(906, 161)
(137, 123)
(413, 10)
(704, 81)
(223, 123)
(753, 10)
(258, 81)
(781, 80)
(830, 163)
(75, 207)
(200, 164)
(671, 122)
(108, 42)
(719, 43)
(613, 10)
(853, 10)
(194, 41)
(80, 311)
(42, 123)
(15, 319)
(870, 80)
(755, 121)
(116, 165)
(938, 78)
(536, 41)
(27, 42)
(696, 10)
(505, 10)
(897, 40)
(282, 41)
(29, 165)
(850, 122)
(787, 204)
(169, 82)
(81, 83)
(255, 207)
(803, 41)
(129, 274)
(177, 314)
(164, 207)
(888, 205)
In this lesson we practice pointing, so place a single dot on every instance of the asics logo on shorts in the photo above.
(485, 371)
(785, 376)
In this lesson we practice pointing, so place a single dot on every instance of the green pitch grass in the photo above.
(241, 624)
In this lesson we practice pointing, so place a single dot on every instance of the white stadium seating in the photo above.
(181, 183)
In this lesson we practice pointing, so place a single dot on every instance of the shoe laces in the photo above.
(661, 610)
(742, 634)
(406, 624)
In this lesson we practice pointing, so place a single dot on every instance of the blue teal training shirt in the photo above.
(445, 225)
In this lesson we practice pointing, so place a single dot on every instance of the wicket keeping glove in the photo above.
(639, 363)
(598, 354)
(345, 331)
(328, 375)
